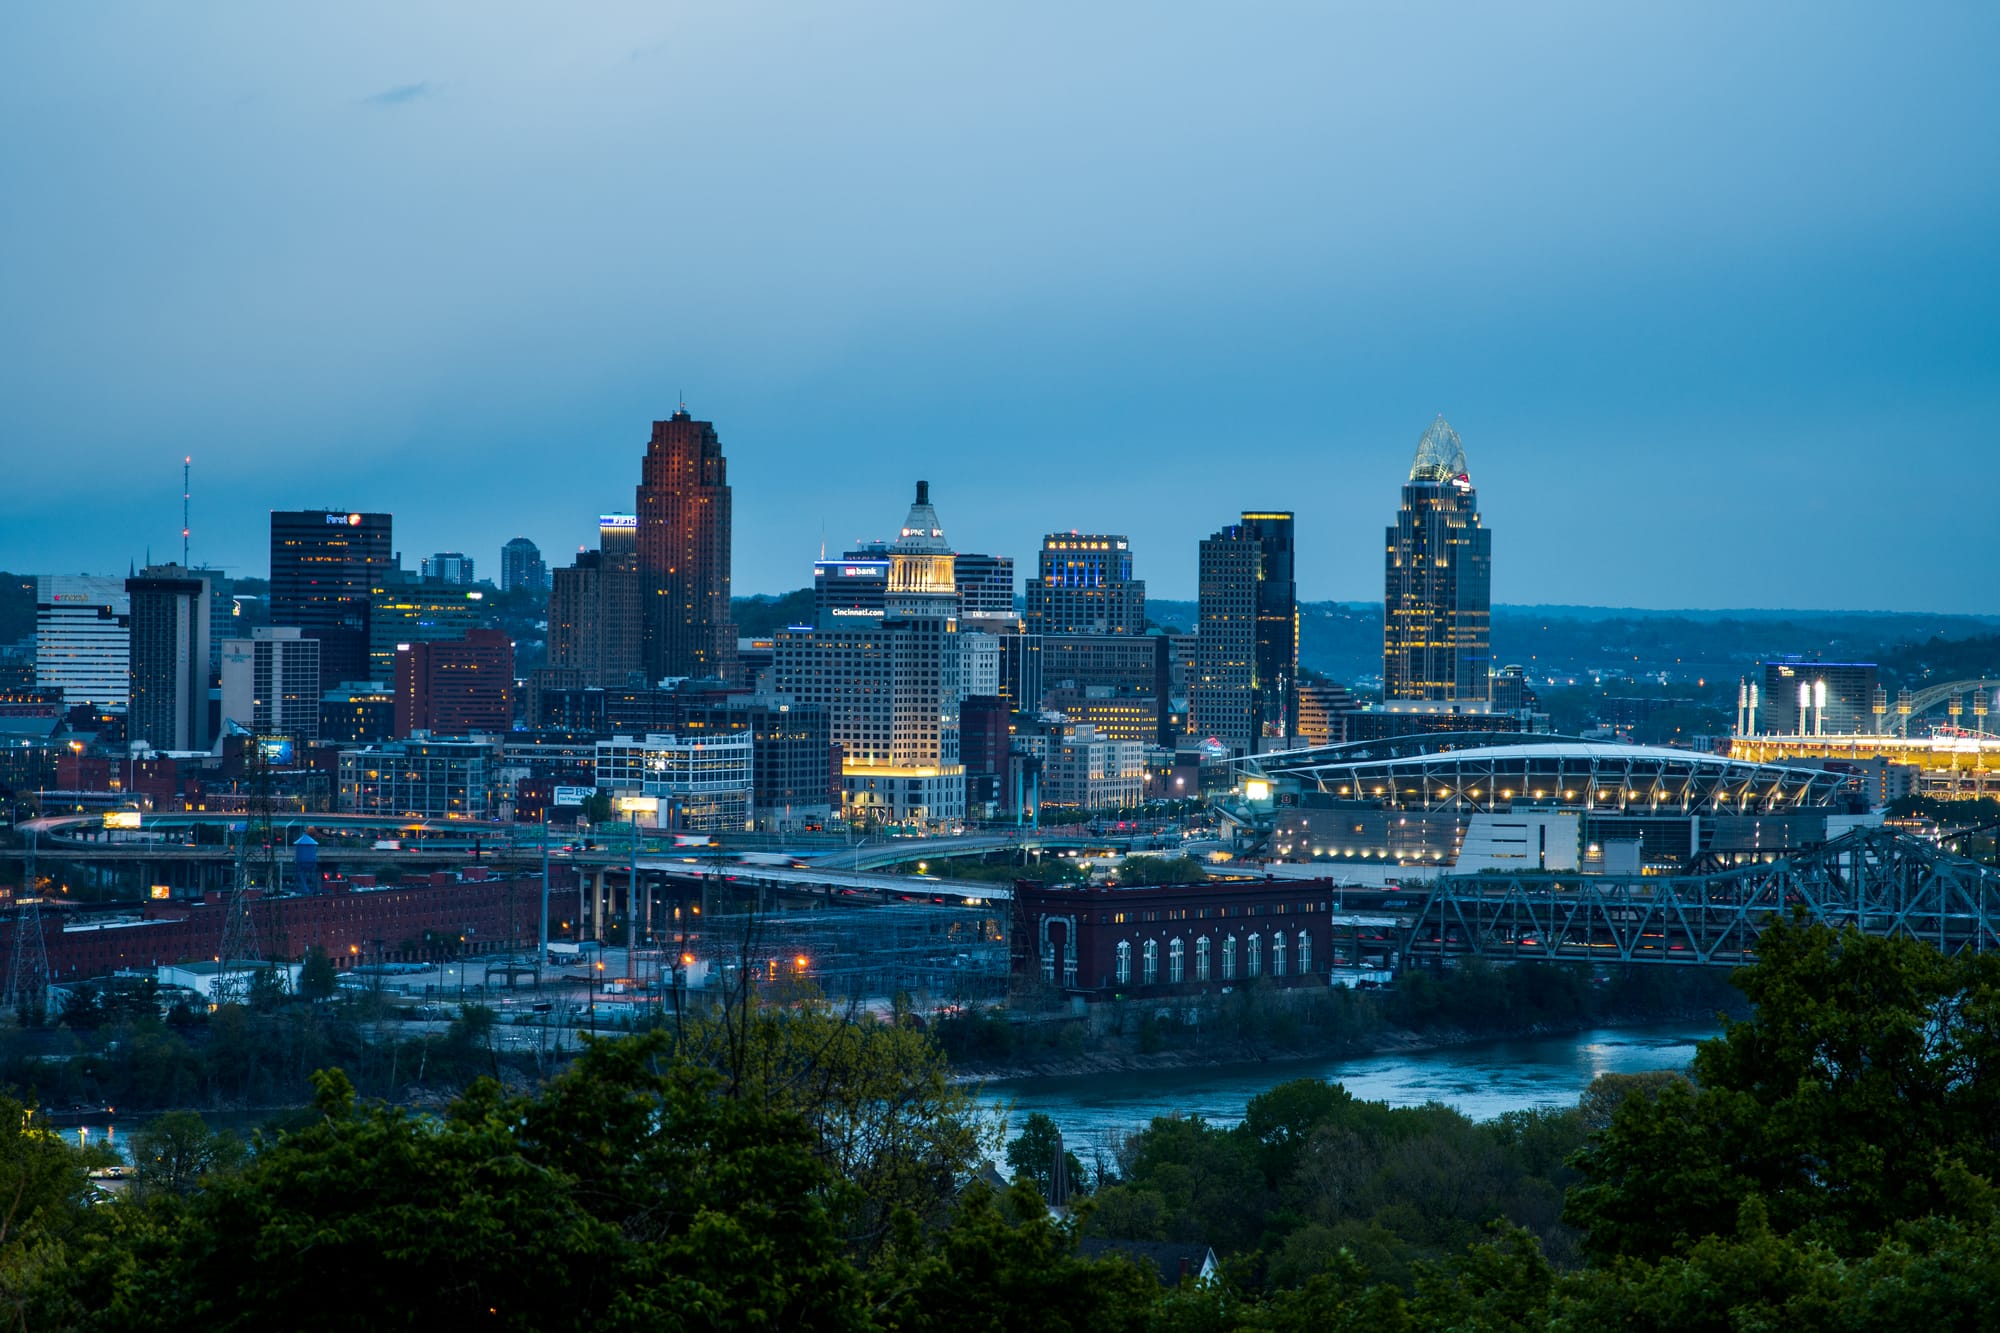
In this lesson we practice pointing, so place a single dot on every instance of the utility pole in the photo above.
(544, 956)
(28, 969)
(239, 931)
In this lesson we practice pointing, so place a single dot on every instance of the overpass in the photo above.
(909, 851)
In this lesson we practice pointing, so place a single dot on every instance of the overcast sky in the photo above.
(1708, 290)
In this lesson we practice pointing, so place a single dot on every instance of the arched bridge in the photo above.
(1909, 705)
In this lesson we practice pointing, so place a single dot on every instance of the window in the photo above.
(1229, 958)
(1176, 971)
(1152, 961)
(1305, 954)
(1201, 959)
(1277, 953)
(1254, 960)
(1124, 962)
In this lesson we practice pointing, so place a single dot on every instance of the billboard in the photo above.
(572, 795)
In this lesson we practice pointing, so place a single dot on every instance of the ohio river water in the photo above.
(1482, 1080)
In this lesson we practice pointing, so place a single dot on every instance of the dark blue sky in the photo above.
(1709, 290)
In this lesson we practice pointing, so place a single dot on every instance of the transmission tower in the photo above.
(239, 932)
(28, 967)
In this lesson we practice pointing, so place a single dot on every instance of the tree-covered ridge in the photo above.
(1830, 1164)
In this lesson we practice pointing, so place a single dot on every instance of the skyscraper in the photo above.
(324, 567)
(454, 687)
(169, 658)
(270, 683)
(985, 589)
(891, 681)
(521, 567)
(595, 624)
(1247, 648)
(1084, 585)
(452, 567)
(684, 534)
(83, 640)
(1438, 606)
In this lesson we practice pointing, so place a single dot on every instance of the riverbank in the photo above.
(1482, 1079)
(1390, 1041)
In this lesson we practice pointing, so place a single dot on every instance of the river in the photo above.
(1482, 1080)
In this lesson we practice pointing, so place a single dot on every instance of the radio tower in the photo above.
(28, 968)
(187, 493)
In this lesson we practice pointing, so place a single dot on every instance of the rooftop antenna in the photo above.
(187, 492)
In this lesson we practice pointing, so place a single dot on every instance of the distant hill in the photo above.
(764, 614)
(1344, 640)
(17, 607)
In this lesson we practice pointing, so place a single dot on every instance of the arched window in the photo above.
(1254, 961)
(1277, 953)
(1201, 959)
(1124, 962)
(1176, 968)
(1152, 961)
(1229, 958)
(1305, 954)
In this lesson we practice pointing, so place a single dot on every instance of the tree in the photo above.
(44, 1189)
(1032, 1156)
(1864, 1064)
(318, 981)
(878, 1097)
(627, 1194)
(174, 1153)
(1001, 1264)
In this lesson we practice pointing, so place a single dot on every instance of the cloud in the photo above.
(399, 96)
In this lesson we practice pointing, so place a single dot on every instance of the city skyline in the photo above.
(1628, 254)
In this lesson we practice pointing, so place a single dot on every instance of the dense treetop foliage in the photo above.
(1829, 1165)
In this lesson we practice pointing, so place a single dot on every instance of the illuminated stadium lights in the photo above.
(1432, 792)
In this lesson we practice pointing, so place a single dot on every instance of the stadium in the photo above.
(1480, 800)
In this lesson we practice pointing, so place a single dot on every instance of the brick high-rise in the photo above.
(456, 687)
(684, 532)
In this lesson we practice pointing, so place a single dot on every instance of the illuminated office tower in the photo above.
(271, 683)
(1245, 688)
(1084, 585)
(595, 605)
(684, 534)
(325, 567)
(985, 590)
(1438, 606)
(83, 641)
(891, 681)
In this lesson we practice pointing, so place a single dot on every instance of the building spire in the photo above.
(1440, 455)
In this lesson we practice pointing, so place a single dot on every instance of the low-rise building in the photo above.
(702, 784)
(1088, 770)
(1185, 939)
(432, 778)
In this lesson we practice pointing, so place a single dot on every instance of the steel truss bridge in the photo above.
(1883, 882)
